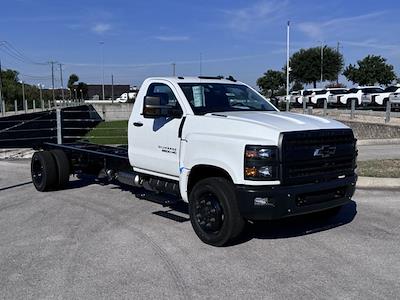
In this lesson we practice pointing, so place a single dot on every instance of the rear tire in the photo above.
(63, 168)
(214, 211)
(43, 171)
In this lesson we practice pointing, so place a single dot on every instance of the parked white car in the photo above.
(333, 94)
(383, 97)
(317, 97)
(294, 96)
(305, 97)
(395, 99)
(359, 94)
(125, 97)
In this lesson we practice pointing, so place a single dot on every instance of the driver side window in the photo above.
(165, 93)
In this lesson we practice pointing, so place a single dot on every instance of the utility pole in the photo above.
(173, 69)
(24, 103)
(201, 63)
(52, 82)
(102, 67)
(322, 62)
(112, 88)
(338, 52)
(62, 83)
(287, 64)
(41, 96)
(2, 107)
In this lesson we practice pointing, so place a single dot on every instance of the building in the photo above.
(95, 91)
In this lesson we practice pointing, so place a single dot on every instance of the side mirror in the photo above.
(152, 109)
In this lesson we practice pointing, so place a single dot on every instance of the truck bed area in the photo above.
(119, 152)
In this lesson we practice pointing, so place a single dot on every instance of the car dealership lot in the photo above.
(100, 241)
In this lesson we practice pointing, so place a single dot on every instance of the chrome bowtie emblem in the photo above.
(325, 151)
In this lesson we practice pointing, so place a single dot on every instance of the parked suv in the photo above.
(333, 94)
(394, 99)
(383, 97)
(305, 96)
(359, 94)
(318, 97)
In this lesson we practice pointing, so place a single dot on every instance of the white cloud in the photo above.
(101, 28)
(373, 43)
(319, 29)
(172, 38)
(257, 14)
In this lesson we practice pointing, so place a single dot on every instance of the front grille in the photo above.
(316, 156)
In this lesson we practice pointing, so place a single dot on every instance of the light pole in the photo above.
(102, 67)
(322, 61)
(287, 65)
(173, 69)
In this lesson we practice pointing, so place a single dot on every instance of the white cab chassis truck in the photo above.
(218, 145)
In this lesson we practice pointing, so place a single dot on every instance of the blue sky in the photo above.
(142, 38)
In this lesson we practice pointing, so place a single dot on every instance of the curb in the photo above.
(378, 142)
(377, 182)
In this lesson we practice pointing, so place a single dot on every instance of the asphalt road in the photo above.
(369, 152)
(100, 242)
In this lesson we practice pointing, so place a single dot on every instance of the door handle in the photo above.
(138, 124)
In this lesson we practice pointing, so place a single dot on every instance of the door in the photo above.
(155, 140)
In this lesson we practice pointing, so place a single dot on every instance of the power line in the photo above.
(12, 51)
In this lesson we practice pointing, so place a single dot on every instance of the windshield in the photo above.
(219, 97)
(391, 89)
(337, 92)
(320, 92)
(372, 90)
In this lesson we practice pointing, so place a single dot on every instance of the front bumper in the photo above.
(285, 201)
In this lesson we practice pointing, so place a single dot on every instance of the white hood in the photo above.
(284, 121)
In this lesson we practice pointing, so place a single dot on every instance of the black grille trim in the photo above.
(299, 164)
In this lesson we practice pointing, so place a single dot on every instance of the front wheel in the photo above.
(214, 211)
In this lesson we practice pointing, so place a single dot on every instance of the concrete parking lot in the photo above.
(93, 241)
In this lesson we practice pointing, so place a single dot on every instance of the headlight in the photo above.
(260, 162)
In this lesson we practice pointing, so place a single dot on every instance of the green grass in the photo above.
(379, 168)
(109, 133)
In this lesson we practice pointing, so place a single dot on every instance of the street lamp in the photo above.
(102, 67)
(322, 60)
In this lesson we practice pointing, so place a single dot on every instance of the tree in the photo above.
(371, 70)
(271, 82)
(82, 90)
(73, 78)
(297, 86)
(335, 85)
(305, 65)
(11, 88)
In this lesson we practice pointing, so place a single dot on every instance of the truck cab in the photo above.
(274, 162)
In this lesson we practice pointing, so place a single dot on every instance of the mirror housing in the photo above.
(152, 109)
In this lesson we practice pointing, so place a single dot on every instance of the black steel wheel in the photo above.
(214, 211)
(43, 171)
(209, 213)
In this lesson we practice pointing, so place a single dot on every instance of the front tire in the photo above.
(214, 211)
(43, 171)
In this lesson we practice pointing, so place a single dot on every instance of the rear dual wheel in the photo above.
(50, 170)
